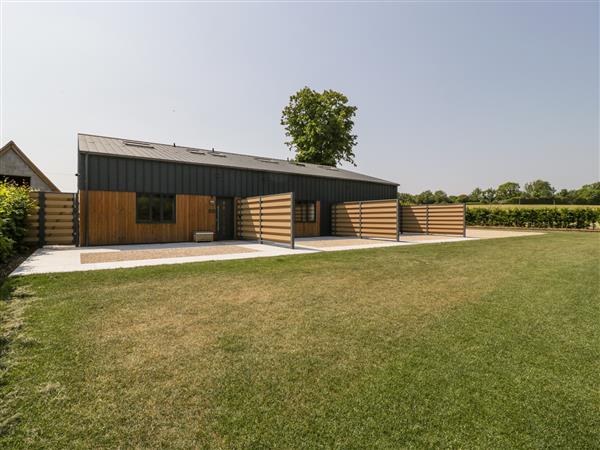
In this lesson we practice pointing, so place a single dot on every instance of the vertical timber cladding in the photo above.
(109, 217)
(370, 219)
(53, 220)
(266, 218)
(434, 219)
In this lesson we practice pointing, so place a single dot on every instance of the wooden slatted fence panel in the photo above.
(54, 219)
(413, 219)
(266, 218)
(377, 218)
(345, 219)
(433, 219)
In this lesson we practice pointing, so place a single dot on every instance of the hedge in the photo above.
(15, 205)
(534, 217)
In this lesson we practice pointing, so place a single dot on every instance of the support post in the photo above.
(360, 220)
(86, 234)
(260, 239)
(332, 214)
(398, 212)
(42, 218)
(401, 218)
(76, 219)
(464, 220)
(426, 219)
(292, 219)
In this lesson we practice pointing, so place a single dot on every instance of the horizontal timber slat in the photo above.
(267, 217)
(53, 219)
(377, 218)
(438, 219)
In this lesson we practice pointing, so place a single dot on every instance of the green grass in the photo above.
(482, 344)
(533, 206)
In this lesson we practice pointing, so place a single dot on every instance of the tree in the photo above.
(440, 197)
(462, 198)
(425, 198)
(539, 189)
(476, 195)
(319, 126)
(406, 199)
(489, 195)
(589, 193)
(566, 197)
(508, 190)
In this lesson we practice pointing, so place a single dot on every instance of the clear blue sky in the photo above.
(450, 95)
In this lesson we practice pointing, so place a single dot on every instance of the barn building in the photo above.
(141, 192)
(16, 167)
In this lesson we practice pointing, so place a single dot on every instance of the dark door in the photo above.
(224, 218)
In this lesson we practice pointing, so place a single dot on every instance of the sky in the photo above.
(450, 95)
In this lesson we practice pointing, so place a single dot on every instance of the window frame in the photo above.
(162, 199)
(304, 211)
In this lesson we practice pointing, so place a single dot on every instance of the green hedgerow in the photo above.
(534, 217)
(15, 205)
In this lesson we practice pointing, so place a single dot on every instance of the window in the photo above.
(16, 179)
(305, 212)
(155, 208)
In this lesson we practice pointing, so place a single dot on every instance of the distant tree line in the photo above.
(535, 192)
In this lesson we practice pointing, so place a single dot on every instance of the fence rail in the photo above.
(54, 220)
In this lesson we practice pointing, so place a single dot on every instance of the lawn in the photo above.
(503, 206)
(487, 344)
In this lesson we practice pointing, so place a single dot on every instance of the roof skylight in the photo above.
(271, 161)
(138, 144)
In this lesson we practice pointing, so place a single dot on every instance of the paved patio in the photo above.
(52, 259)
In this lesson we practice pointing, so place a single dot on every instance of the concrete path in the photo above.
(53, 259)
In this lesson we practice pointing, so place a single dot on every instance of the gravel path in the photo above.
(136, 255)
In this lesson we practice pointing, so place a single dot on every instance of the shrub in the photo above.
(534, 217)
(15, 205)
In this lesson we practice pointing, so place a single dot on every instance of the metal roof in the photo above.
(128, 148)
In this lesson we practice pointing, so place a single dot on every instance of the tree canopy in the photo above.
(508, 190)
(538, 191)
(319, 127)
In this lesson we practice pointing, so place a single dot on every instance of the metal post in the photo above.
(76, 219)
(292, 218)
(260, 239)
(86, 234)
(426, 219)
(397, 220)
(360, 220)
(401, 218)
(42, 219)
(332, 214)
(464, 220)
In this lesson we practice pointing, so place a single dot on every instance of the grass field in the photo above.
(482, 344)
(534, 206)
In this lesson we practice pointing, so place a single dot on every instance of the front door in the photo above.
(224, 218)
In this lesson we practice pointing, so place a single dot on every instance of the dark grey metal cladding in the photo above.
(113, 173)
